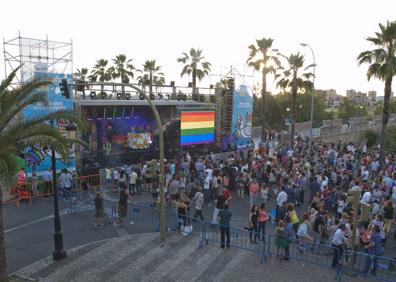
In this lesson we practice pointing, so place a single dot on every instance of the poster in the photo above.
(242, 117)
(39, 158)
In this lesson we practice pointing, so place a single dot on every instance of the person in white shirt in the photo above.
(132, 182)
(199, 201)
(206, 187)
(366, 198)
(337, 242)
(281, 198)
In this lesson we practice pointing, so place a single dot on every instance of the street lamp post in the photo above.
(312, 94)
(161, 157)
(59, 253)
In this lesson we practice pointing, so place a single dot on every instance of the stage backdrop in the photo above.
(196, 128)
(37, 158)
(242, 117)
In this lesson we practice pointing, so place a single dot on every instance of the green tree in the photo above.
(101, 72)
(382, 65)
(151, 75)
(16, 134)
(122, 69)
(296, 78)
(194, 66)
(349, 109)
(80, 76)
(262, 57)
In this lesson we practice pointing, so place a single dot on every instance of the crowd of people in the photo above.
(318, 179)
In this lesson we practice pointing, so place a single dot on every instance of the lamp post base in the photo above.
(59, 255)
(59, 252)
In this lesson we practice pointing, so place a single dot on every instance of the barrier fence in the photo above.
(79, 184)
(299, 250)
(367, 265)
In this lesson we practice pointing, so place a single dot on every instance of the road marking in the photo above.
(64, 212)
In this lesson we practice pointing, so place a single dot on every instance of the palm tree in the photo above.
(382, 62)
(194, 66)
(151, 75)
(262, 57)
(16, 134)
(295, 77)
(122, 69)
(80, 77)
(101, 72)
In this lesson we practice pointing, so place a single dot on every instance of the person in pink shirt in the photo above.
(253, 191)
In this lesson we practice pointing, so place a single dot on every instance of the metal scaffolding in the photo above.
(37, 56)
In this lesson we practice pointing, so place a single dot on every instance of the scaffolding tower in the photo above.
(36, 56)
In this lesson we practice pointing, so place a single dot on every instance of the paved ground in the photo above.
(29, 239)
(139, 258)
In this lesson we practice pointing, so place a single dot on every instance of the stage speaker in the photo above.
(127, 96)
(201, 98)
(212, 98)
(103, 95)
(92, 95)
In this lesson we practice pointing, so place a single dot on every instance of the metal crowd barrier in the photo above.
(350, 263)
(110, 207)
(369, 266)
(239, 238)
(307, 252)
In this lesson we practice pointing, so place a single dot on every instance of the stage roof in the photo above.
(136, 102)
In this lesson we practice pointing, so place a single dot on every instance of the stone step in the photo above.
(194, 265)
(157, 261)
(87, 267)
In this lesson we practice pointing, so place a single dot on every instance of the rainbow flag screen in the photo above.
(196, 128)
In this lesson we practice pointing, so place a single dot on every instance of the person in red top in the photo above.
(227, 194)
(21, 179)
(253, 191)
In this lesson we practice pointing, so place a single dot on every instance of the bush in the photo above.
(372, 138)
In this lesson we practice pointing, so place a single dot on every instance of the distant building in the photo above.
(357, 97)
(331, 97)
(372, 97)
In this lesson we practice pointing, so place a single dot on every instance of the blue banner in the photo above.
(242, 117)
(38, 159)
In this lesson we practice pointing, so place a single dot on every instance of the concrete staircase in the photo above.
(140, 258)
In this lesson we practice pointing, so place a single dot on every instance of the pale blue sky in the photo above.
(161, 30)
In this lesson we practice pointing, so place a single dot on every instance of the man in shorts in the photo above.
(99, 210)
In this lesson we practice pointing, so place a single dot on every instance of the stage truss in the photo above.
(36, 55)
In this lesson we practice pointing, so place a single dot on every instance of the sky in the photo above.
(161, 30)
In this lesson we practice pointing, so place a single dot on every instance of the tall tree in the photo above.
(262, 57)
(382, 65)
(194, 66)
(295, 77)
(80, 77)
(101, 72)
(122, 69)
(16, 134)
(82, 73)
(151, 75)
